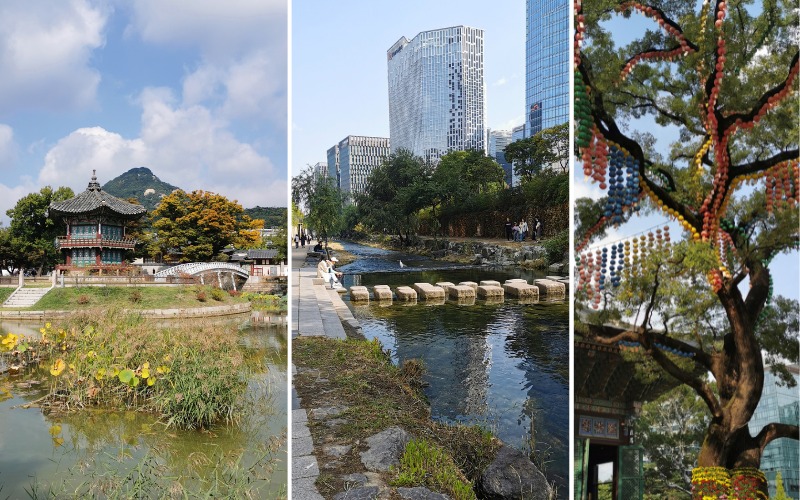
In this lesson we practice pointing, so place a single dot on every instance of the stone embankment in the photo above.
(487, 252)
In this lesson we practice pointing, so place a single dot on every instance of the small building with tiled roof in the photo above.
(96, 224)
(258, 262)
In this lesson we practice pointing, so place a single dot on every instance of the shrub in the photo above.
(136, 296)
(234, 293)
(201, 295)
(557, 246)
(218, 294)
(83, 299)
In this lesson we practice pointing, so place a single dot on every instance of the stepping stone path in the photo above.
(406, 293)
(359, 293)
(486, 291)
(462, 292)
(520, 289)
(382, 292)
(550, 288)
(426, 291)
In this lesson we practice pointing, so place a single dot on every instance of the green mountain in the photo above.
(273, 216)
(139, 183)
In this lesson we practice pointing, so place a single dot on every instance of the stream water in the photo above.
(40, 452)
(504, 366)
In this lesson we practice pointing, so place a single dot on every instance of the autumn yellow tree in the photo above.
(196, 226)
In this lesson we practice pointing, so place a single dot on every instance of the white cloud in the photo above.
(8, 148)
(219, 29)
(9, 196)
(45, 53)
(502, 81)
(183, 145)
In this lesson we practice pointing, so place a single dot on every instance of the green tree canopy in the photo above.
(548, 148)
(718, 74)
(196, 226)
(31, 232)
(395, 193)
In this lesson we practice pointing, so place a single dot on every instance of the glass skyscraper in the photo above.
(356, 157)
(546, 65)
(436, 92)
(779, 404)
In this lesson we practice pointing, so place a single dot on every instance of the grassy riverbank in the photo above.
(5, 293)
(359, 375)
(139, 297)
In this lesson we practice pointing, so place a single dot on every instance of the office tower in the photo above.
(498, 140)
(333, 164)
(546, 65)
(320, 170)
(436, 92)
(357, 157)
(779, 404)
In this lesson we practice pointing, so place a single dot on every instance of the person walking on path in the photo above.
(303, 240)
(296, 241)
(508, 229)
(524, 230)
(538, 229)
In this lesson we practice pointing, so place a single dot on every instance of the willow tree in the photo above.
(719, 75)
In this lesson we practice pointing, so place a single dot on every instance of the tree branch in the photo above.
(774, 431)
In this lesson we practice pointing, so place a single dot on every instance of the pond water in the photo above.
(39, 451)
(504, 366)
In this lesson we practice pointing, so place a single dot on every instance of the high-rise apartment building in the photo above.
(354, 158)
(779, 404)
(436, 92)
(546, 65)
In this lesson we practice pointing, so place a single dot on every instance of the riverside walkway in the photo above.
(316, 311)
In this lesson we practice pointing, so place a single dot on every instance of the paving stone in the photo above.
(337, 450)
(357, 478)
(302, 446)
(360, 493)
(305, 489)
(304, 466)
(327, 412)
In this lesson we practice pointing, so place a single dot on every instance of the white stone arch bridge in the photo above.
(207, 271)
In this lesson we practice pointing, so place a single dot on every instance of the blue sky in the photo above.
(194, 90)
(785, 267)
(339, 79)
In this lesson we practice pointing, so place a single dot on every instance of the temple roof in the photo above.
(93, 201)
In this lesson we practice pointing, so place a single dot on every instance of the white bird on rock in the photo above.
(401, 264)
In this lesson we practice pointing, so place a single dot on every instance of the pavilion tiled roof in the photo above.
(95, 200)
(262, 254)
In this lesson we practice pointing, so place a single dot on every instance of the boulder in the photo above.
(385, 449)
(513, 475)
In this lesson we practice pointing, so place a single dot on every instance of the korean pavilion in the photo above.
(96, 239)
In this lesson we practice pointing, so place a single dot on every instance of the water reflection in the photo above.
(502, 364)
(84, 446)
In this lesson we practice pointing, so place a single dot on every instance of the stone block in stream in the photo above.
(470, 284)
(517, 280)
(521, 290)
(446, 285)
(359, 294)
(382, 292)
(549, 288)
(485, 291)
(406, 293)
(489, 283)
(461, 292)
(426, 291)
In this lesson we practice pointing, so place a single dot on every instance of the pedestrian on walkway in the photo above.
(303, 240)
(296, 241)
(538, 229)
(508, 229)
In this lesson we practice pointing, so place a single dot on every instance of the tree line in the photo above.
(407, 196)
(184, 227)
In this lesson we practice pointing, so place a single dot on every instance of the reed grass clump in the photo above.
(191, 374)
